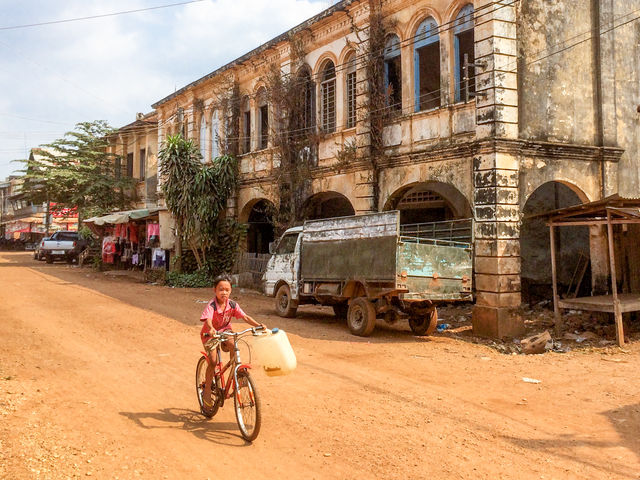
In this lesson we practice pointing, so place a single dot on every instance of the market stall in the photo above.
(130, 239)
(617, 215)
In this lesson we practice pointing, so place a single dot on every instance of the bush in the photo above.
(197, 279)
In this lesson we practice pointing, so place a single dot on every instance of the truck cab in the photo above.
(282, 270)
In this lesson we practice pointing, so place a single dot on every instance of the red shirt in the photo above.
(220, 318)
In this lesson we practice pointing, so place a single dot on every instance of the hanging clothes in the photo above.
(133, 233)
(153, 230)
(108, 249)
(158, 258)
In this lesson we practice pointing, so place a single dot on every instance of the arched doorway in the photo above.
(327, 205)
(427, 202)
(572, 245)
(261, 231)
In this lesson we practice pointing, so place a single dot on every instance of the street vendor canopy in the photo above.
(122, 217)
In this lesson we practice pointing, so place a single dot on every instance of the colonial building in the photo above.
(134, 148)
(442, 109)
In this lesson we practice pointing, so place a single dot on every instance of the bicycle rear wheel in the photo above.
(201, 378)
(247, 406)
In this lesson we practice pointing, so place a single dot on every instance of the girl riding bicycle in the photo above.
(217, 317)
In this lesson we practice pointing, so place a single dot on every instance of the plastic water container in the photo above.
(273, 351)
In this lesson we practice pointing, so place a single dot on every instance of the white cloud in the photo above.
(110, 68)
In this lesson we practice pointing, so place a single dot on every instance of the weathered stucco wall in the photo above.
(578, 88)
(556, 93)
(621, 87)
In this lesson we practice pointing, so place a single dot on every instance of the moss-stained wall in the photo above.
(565, 95)
(556, 93)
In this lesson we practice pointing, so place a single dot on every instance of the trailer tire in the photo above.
(361, 317)
(424, 324)
(341, 310)
(285, 305)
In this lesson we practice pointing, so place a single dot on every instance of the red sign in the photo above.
(62, 212)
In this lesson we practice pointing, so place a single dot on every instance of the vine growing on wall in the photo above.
(294, 137)
(373, 96)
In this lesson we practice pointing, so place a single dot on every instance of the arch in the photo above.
(426, 66)
(320, 64)
(535, 245)
(418, 18)
(531, 189)
(327, 205)
(432, 201)
(343, 58)
(258, 215)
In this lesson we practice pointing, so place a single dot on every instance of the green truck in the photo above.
(368, 267)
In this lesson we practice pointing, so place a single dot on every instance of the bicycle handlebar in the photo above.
(223, 335)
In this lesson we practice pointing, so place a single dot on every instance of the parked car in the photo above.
(365, 267)
(38, 254)
(63, 245)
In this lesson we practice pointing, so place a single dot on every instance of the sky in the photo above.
(54, 76)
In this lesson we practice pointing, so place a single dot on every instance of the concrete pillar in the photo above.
(496, 193)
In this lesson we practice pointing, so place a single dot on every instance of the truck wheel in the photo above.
(341, 310)
(361, 317)
(285, 305)
(424, 324)
(48, 258)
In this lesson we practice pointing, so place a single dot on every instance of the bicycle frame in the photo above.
(219, 369)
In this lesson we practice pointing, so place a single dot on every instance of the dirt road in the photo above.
(96, 380)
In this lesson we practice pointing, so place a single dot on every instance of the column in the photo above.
(496, 171)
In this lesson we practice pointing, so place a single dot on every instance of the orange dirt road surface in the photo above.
(97, 380)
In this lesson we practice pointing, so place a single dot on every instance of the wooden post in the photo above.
(614, 285)
(554, 279)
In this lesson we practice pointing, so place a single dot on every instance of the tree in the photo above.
(77, 171)
(196, 195)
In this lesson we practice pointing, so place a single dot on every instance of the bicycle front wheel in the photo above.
(247, 406)
(201, 379)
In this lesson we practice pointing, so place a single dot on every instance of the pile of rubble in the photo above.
(581, 330)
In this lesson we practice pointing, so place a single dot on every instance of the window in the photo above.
(118, 167)
(393, 72)
(203, 139)
(129, 164)
(464, 45)
(308, 98)
(328, 96)
(246, 126)
(143, 163)
(215, 135)
(263, 119)
(427, 66)
(287, 244)
(350, 89)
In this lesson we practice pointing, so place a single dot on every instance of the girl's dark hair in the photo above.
(223, 277)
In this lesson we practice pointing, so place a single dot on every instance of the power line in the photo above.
(91, 17)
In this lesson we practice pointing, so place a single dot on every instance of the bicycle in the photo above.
(239, 383)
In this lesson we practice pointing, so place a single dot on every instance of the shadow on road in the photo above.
(190, 421)
(625, 420)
